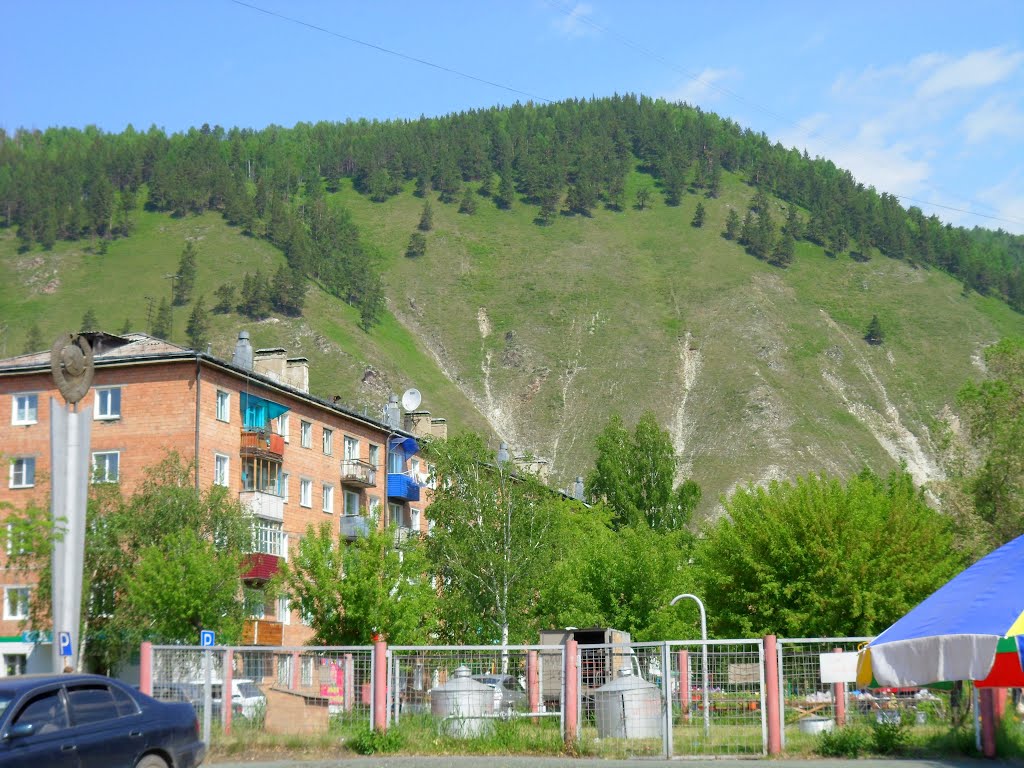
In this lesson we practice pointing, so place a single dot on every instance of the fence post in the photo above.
(771, 695)
(146, 668)
(380, 685)
(839, 694)
(987, 710)
(570, 704)
(226, 696)
(296, 674)
(684, 684)
(532, 686)
(348, 690)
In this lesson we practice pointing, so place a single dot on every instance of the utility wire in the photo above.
(391, 52)
(570, 12)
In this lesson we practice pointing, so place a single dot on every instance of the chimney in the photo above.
(270, 362)
(392, 413)
(243, 351)
(439, 428)
(418, 423)
(502, 453)
(578, 489)
(296, 373)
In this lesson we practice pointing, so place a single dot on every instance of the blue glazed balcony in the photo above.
(402, 487)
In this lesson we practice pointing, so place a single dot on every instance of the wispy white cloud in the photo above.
(977, 69)
(703, 88)
(573, 23)
(1007, 199)
(997, 117)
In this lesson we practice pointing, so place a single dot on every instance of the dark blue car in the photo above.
(89, 721)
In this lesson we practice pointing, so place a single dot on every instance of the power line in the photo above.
(761, 108)
(391, 52)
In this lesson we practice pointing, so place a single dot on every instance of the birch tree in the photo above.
(493, 530)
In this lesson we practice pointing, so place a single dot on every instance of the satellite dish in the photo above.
(411, 399)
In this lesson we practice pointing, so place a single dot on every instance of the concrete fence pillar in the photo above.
(684, 684)
(296, 681)
(570, 704)
(773, 716)
(380, 685)
(146, 668)
(348, 684)
(226, 692)
(532, 681)
(839, 694)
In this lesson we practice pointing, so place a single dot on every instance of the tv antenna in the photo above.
(411, 399)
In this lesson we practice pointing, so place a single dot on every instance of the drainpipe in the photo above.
(199, 379)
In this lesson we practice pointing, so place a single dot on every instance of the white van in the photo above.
(246, 697)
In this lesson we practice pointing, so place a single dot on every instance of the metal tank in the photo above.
(464, 706)
(628, 707)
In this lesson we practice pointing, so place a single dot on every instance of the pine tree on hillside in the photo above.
(417, 246)
(506, 191)
(185, 277)
(198, 328)
(748, 232)
(163, 324)
(426, 217)
(732, 225)
(127, 327)
(33, 340)
(643, 196)
(225, 299)
(468, 204)
(89, 321)
(875, 335)
(698, 216)
(785, 249)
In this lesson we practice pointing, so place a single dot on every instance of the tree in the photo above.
(89, 321)
(417, 246)
(185, 277)
(198, 328)
(643, 196)
(635, 476)
(127, 327)
(33, 340)
(225, 295)
(352, 592)
(819, 558)
(506, 191)
(698, 216)
(426, 218)
(875, 334)
(163, 324)
(732, 225)
(994, 415)
(492, 540)
(785, 249)
(468, 204)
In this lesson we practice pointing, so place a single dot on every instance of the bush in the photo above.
(888, 738)
(376, 742)
(843, 742)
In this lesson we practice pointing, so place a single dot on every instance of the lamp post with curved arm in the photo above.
(703, 657)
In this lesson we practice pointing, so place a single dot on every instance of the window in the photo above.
(284, 427)
(16, 538)
(255, 603)
(329, 499)
(351, 503)
(284, 610)
(396, 462)
(15, 664)
(23, 472)
(329, 441)
(221, 469)
(285, 477)
(223, 406)
(373, 507)
(15, 603)
(375, 456)
(46, 712)
(268, 538)
(24, 409)
(396, 514)
(105, 466)
(306, 434)
(263, 475)
(92, 704)
(108, 403)
(306, 492)
(351, 448)
(414, 468)
(414, 521)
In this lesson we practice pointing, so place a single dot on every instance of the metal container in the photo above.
(816, 725)
(628, 707)
(464, 707)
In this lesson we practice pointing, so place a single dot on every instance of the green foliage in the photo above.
(89, 322)
(163, 323)
(198, 328)
(352, 592)
(698, 216)
(732, 225)
(874, 334)
(635, 475)
(185, 277)
(643, 197)
(417, 247)
(468, 204)
(33, 340)
(889, 737)
(374, 742)
(849, 742)
(820, 558)
(225, 295)
(426, 218)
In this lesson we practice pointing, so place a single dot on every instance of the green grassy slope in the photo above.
(540, 332)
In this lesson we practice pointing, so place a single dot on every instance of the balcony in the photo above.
(269, 506)
(262, 444)
(354, 526)
(269, 540)
(260, 568)
(359, 473)
(262, 632)
(402, 487)
(402, 534)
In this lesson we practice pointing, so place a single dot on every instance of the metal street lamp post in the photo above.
(703, 657)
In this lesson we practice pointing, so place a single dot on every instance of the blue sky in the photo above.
(920, 99)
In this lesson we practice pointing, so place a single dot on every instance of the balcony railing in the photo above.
(269, 506)
(354, 526)
(358, 472)
(262, 443)
(402, 487)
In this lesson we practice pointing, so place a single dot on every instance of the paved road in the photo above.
(489, 761)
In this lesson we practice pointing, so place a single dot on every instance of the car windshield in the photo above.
(249, 690)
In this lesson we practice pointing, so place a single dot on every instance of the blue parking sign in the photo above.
(64, 641)
(206, 638)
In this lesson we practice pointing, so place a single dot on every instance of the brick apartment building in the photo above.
(249, 424)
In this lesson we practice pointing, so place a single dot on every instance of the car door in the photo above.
(50, 741)
(107, 732)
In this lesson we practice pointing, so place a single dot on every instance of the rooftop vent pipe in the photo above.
(243, 351)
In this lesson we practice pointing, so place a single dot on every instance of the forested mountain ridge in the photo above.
(563, 262)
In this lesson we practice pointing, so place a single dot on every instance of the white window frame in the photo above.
(328, 498)
(223, 406)
(285, 477)
(20, 466)
(22, 413)
(21, 612)
(222, 469)
(351, 502)
(284, 610)
(305, 492)
(305, 433)
(351, 448)
(284, 427)
(374, 456)
(414, 520)
(328, 441)
(373, 507)
(103, 412)
(96, 478)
